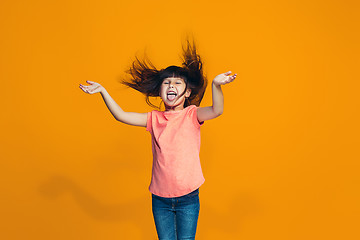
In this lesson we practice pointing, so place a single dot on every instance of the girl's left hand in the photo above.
(224, 78)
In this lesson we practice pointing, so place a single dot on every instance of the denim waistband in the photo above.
(193, 193)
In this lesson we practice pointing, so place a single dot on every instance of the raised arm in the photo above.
(131, 118)
(207, 113)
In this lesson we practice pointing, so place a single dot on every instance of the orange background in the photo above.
(282, 162)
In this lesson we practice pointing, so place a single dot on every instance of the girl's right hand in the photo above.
(93, 88)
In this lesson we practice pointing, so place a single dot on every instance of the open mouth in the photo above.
(171, 96)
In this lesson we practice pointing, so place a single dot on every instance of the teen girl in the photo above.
(175, 132)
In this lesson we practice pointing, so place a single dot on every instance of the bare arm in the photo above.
(131, 118)
(207, 113)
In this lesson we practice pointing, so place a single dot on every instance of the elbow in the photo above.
(119, 119)
(119, 116)
(218, 113)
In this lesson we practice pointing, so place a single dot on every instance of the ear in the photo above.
(188, 93)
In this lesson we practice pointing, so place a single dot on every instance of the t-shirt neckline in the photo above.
(174, 112)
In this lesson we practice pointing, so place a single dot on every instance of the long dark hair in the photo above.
(145, 78)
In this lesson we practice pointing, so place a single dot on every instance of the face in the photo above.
(170, 91)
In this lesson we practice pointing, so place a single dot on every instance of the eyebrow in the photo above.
(180, 80)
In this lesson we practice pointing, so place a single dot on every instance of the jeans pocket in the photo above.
(193, 194)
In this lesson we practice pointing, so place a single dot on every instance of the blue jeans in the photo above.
(176, 218)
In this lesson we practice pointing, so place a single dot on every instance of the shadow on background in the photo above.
(138, 211)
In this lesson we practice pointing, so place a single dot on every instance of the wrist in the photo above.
(102, 89)
(215, 84)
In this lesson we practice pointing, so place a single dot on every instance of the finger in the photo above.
(84, 87)
(229, 80)
(226, 81)
(90, 82)
(227, 73)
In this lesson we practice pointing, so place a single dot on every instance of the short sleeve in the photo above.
(193, 115)
(149, 122)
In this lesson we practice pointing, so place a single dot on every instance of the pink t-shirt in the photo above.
(175, 135)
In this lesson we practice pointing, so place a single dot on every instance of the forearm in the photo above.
(218, 99)
(114, 108)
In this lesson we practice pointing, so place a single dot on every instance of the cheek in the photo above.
(162, 90)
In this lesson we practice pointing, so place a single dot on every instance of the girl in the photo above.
(175, 132)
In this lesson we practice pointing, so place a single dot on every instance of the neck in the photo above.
(174, 108)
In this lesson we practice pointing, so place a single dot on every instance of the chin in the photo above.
(172, 104)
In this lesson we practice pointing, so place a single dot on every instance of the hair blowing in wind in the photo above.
(147, 79)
